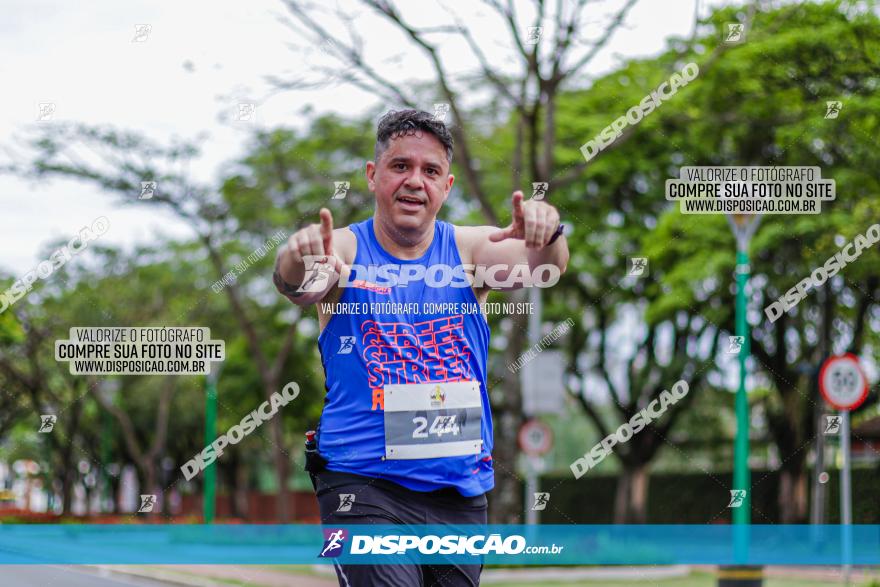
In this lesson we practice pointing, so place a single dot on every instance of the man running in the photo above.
(405, 436)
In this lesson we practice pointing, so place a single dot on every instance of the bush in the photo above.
(698, 498)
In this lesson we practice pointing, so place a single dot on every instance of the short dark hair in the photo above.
(398, 123)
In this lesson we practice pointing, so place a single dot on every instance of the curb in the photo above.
(159, 575)
(562, 574)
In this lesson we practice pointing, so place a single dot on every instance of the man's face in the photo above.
(411, 180)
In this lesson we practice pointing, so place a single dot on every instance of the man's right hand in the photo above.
(307, 268)
(314, 239)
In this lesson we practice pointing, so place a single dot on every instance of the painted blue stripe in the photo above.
(300, 544)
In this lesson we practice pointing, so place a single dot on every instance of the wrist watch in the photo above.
(556, 234)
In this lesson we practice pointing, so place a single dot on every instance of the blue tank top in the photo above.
(363, 351)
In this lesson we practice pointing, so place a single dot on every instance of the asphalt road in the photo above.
(67, 576)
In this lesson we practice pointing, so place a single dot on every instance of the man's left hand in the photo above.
(533, 221)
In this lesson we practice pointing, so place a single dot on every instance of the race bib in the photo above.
(429, 420)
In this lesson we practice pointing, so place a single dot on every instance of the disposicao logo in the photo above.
(333, 543)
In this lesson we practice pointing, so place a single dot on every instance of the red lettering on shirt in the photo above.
(424, 352)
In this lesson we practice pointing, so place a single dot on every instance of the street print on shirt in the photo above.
(423, 352)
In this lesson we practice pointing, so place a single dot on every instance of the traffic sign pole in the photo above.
(845, 497)
(535, 440)
(844, 386)
(531, 490)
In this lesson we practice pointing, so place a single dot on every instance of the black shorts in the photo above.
(379, 501)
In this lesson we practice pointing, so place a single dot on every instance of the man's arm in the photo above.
(524, 242)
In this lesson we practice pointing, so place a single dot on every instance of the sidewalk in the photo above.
(224, 575)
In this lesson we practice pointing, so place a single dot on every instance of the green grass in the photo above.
(696, 579)
(693, 580)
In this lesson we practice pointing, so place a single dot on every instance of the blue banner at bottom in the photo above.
(437, 544)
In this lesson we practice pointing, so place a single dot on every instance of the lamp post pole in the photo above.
(744, 227)
(210, 487)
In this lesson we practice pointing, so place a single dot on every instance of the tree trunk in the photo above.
(269, 376)
(67, 481)
(791, 429)
(239, 490)
(793, 492)
(282, 466)
(149, 483)
(506, 505)
(69, 468)
(631, 501)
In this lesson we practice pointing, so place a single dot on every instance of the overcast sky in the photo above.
(198, 61)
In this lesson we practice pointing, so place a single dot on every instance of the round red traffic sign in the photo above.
(535, 438)
(842, 382)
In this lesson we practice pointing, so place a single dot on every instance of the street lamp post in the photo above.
(741, 473)
(210, 488)
(744, 227)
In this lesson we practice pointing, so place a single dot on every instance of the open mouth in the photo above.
(411, 201)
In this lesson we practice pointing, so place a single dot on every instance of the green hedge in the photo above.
(698, 498)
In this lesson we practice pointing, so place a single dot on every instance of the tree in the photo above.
(261, 195)
(763, 103)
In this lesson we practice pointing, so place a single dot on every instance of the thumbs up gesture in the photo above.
(533, 221)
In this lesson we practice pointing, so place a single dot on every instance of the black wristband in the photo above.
(559, 230)
(287, 289)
